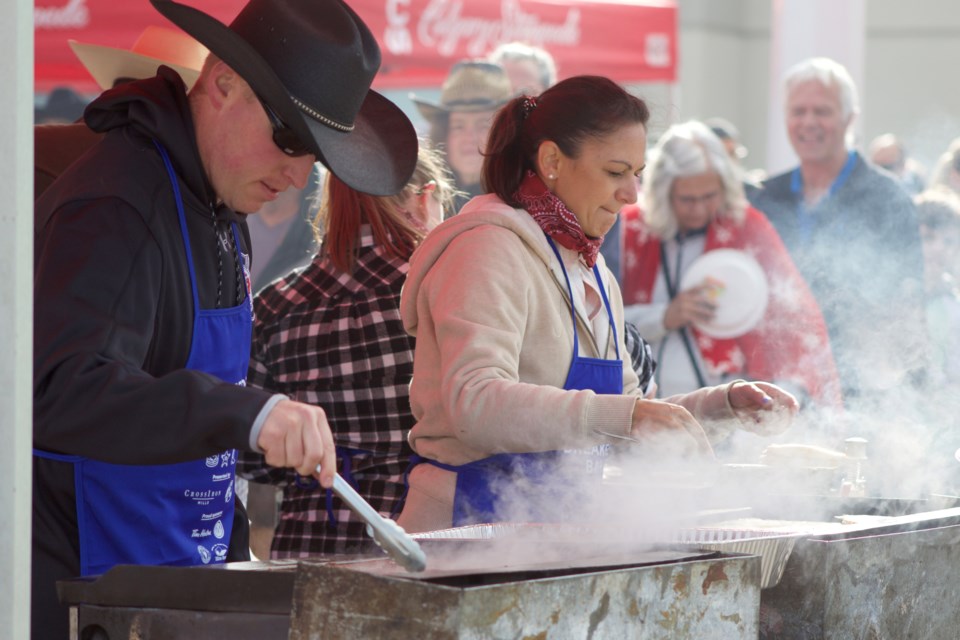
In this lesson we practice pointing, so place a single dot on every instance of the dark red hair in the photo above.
(568, 113)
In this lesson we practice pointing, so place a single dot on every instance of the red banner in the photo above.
(420, 39)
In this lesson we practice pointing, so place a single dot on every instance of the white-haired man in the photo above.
(853, 233)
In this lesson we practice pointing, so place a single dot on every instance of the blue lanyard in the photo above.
(804, 213)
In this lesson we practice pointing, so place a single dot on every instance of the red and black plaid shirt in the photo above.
(335, 340)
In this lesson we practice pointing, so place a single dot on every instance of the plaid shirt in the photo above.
(336, 340)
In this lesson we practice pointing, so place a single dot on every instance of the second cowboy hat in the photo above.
(154, 47)
(472, 85)
(312, 62)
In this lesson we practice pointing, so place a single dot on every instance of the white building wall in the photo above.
(16, 314)
(907, 83)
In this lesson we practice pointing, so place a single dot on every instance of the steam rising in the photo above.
(649, 492)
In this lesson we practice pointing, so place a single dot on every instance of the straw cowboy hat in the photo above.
(312, 62)
(472, 85)
(154, 47)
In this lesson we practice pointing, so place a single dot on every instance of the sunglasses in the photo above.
(283, 136)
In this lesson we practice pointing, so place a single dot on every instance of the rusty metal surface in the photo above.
(875, 587)
(716, 597)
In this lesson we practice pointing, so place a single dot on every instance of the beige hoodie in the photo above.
(490, 311)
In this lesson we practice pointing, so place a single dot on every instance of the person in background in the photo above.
(56, 146)
(142, 293)
(730, 137)
(852, 232)
(281, 234)
(330, 335)
(281, 240)
(521, 383)
(939, 213)
(693, 204)
(946, 172)
(63, 105)
(888, 152)
(459, 123)
(532, 70)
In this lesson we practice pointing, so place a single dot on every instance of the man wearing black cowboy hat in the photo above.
(142, 292)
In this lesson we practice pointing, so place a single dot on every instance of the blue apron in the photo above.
(552, 474)
(176, 514)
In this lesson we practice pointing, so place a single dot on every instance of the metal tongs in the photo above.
(388, 535)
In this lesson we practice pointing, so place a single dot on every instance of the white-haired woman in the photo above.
(694, 203)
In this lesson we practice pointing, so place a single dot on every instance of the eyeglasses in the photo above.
(284, 137)
(689, 202)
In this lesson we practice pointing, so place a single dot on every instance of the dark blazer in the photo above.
(864, 264)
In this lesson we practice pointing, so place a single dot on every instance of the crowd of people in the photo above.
(242, 274)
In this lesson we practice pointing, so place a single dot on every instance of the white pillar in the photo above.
(802, 29)
(16, 314)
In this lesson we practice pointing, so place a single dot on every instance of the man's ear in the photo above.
(548, 160)
(218, 83)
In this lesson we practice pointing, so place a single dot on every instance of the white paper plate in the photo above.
(740, 290)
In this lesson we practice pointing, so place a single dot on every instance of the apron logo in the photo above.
(218, 530)
(211, 516)
(213, 460)
(204, 497)
(204, 554)
(200, 533)
(220, 552)
(229, 496)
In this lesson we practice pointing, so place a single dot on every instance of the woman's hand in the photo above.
(689, 306)
(762, 408)
(669, 425)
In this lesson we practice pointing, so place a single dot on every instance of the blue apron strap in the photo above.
(573, 311)
(606, 303)
(414, 461)
(183, 220)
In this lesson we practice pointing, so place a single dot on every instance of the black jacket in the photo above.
(114, 312)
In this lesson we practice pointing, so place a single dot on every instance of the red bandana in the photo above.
(556, 220)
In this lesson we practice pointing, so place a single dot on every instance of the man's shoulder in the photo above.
(879, 184)
(776, 186)
(772, 195)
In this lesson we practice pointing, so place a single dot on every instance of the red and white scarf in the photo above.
(556, 220)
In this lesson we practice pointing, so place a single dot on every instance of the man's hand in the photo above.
(297, 435)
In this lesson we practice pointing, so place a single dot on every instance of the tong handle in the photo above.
(386, 533)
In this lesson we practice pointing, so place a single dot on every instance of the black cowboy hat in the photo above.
(313, 62)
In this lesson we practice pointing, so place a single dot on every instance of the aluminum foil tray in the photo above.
(774, 548)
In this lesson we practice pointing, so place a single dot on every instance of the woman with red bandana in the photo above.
(520, 386)
(695, 204)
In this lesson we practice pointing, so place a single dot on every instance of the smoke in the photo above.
(651, 491)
